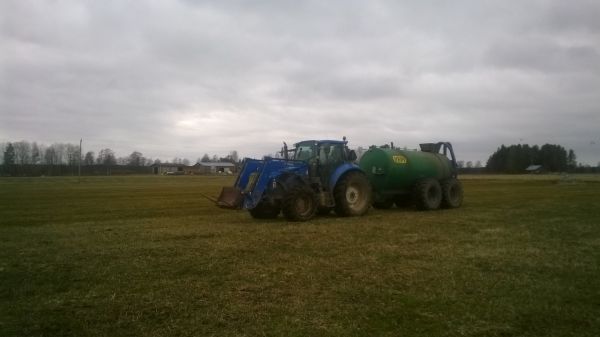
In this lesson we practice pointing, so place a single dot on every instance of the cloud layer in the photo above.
(192, 77)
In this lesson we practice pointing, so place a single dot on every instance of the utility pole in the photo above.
(79, 179)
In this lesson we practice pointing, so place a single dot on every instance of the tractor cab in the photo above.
(323, 157)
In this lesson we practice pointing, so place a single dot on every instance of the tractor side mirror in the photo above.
(352, 155)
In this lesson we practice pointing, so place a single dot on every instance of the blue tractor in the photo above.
(316, 176)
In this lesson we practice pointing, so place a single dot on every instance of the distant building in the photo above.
(214, 168)
(534, 169)
(168, 168)
(199, 168)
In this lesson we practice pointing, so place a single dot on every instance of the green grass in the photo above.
(149, 256)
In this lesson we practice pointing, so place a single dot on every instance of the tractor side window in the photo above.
(336, 154)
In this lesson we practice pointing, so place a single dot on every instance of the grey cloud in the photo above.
(543, 55)
(571, 17)
(163, 77)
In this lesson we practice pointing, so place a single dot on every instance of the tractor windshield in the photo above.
(304, 151)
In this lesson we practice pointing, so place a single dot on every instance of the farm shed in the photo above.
(168, 168)
(214, 168)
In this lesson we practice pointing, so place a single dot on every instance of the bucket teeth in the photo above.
(231, 197)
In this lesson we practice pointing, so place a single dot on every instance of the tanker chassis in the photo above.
(427, 178)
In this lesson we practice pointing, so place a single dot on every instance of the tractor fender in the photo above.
(340, 171)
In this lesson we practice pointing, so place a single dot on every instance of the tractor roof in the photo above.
(322, 141)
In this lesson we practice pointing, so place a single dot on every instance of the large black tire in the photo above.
(265, 210)
(299, 204)
(452, 193)
(386, 204)
(428, 194)
(352, 194)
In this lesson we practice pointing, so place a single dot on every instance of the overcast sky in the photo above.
(184, 78)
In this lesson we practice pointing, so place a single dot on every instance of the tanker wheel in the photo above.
(428, 194)
(386, 204)
(299, 204)
(352, 195)
(265, 210)
(452, 193)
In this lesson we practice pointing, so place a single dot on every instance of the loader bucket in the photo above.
(231, 197)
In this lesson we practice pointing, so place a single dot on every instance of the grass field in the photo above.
(148, 256)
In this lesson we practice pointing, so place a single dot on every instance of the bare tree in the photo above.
(89, 158)
(136, 159)
(205, 158)
(233, 156)
(571, 159)
(72, 153)
(60, 153)
(22, 152)
(106, 157)
(36, 154)
(9, 155)
(50, 156)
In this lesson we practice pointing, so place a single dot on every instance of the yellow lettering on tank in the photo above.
(399, 159)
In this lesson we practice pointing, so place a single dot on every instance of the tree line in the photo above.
(26, 153)
(516, 158)
(33, 158)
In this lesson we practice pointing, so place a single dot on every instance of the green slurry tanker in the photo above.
(426, 178)
(320, 176)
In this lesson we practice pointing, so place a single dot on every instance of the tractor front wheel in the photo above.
(352, 194)
(299, 204)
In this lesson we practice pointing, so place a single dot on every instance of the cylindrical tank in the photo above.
(394, 171)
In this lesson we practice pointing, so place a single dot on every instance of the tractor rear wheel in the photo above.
(352, 194)
(452, 193)
(265, 210)
(299, 204)
(428, 194)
